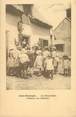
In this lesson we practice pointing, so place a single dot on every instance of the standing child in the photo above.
(38, 64)
(60, 66)
(66, 66)
(69, 70)
(46, 52)
(56, 62)
(48, 64)
(24, 61)
(11, 63)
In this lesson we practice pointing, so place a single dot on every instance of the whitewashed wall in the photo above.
(11, 29)
(39, 32)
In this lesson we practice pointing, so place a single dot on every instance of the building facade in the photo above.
(62, 34)
(20, 21)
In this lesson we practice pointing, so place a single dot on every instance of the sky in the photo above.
(53, 10)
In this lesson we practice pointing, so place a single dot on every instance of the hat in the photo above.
(46, 48)
(49, 55)
(39, 52)
(65, 57)
(54, 47)
(23, 51)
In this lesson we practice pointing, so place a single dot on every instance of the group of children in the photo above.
(25, 62)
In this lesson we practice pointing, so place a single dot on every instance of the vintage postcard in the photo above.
(38, 49)
(37, 58)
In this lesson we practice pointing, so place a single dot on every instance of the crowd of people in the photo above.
(26, 62)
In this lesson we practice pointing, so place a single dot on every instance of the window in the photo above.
(43, 43)
(60, 47)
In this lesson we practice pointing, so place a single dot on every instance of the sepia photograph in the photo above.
(38, 45)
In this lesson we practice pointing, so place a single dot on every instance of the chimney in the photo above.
(68, 13)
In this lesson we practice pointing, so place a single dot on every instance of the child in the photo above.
(16, 54)
(48, 64)
(60, 66)
(66, 65)
(24, 61)
(69, 70)
(56, 61)
(46, 52)
(38, 64)
(10, 63)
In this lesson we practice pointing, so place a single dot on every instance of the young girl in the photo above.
(48, 64)
(66, 66)
(10, 63)
(56, 62)
(60, 66)
(24, 61)
(38, 64)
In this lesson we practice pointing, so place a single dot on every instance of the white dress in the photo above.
(38, 62)
(49, 64)
(23, 58)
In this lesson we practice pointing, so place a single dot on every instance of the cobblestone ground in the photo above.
(41, 83)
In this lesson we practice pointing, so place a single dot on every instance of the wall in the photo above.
(63, 33)
(33, 31)
(63, 30)
(11, 29)
(39, 32)
(67, 48)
